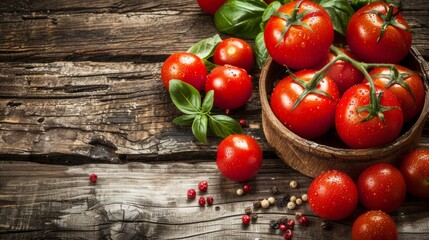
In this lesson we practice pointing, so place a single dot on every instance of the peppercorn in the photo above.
(298, 201)
(245, 219)
(243, 122)
(288, 234)
(247, 188)
(191, 193)
(202, 201)
(203, 185)
(209, 200)
(228, 112)
(240, 192)
(293, 184)
(279, 202)
(265, 203)
(248, 210)
(274, 224)
(283, 220)
(325, 225)
(271, 200)
(290, 224)
(282, 227)
(93, 177)
(303, 220)
(256, 204)
(291, 205)
(292, 199)
(304, 197)
(274, 190)
(298, 214)
(254, 216)
(286, 198)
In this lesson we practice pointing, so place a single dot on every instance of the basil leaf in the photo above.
(209, 65)
(223, 126)
(271, 9)
(186, 98)
(206, 47)
(208, 102)
(199, 128)
(261, 53)
(340, 12)
(240, 18)
(185, 120)
(357, 4)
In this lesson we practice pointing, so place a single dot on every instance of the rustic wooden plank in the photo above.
(148, 201)
(105, 111)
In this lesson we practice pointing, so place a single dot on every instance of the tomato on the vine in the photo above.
(210, 6)
(378, 33)
(415, 169)
(299, 35)
(381, 187)
(239, 157)
(232, 86)
(235, 52)
(406, 85)
(344, 74)
(186, 67)
(374, 225)
(360, 127)
(333, 195)
(314, 115)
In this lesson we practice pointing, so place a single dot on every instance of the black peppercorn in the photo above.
(248, 210)
(325, 225)
(274, 224)
(274, 190)
(283, 220)
(254, 216)
(256, 204)
(280, 202)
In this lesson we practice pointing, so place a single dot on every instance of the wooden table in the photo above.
(80, 93)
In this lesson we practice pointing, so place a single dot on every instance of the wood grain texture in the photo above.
(148, 201)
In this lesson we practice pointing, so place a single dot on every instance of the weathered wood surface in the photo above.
(79, 84)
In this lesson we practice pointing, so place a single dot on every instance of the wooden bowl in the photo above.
(312, 157)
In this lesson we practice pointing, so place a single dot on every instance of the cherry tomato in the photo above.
(363, 34)
(415, 169)
(210, 6)
(235, 52)
(232, 86)
(184, 66)
(301, 46)
(381, 187)
(355, 131)
(344, 74)
(239, 157)
(411, 99)
(314, 115)
(333, 195)
(374, 225)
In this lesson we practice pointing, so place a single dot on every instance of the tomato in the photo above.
(364, 30)
(411, 100)
(239, 157)
(374, 225)
(415, 169)
(184, 66)
(210, 6)
(235, 52)
(333, 195)
(344, 74)
(269, 1)
(232, 86)
(355, 131)
(301, 46)
(314, 115)
(381, 187)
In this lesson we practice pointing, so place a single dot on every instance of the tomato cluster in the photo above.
(360, 92)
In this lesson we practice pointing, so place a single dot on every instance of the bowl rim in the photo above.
(343, 153)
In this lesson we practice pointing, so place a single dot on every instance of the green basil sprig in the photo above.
(197, 114)
(205, 50)
(340, 12)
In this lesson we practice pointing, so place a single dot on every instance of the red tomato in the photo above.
(314, 115)
(301, 46)
(357, 133)
(235, 52)
(343, 73)
(269, 1)
(374, 225)
(415, 169)
(210, 6)
(381, 187)
(232, 86)
(411, 100)
(364, 30)
(333, 195)
(239, 157)
(184, 66)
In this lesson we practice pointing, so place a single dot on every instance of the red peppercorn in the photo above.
(282, 227)
(303, 220)
(243, 122)
(247, 188)
(203, 185)
(290, 224)
(209, 200)
(228, 111)
(288, 234)
(245, 219)
(202, 201)
(191, 193)
(93, 178)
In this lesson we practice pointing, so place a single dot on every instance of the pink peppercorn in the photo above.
(209, 200)
(203, 186)
(247, 188)
(202, 201)
(243, 122)
(288, 234)
(191, 193)
(303, 221)
(93, 178)
(282, 227)
(245, 219)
